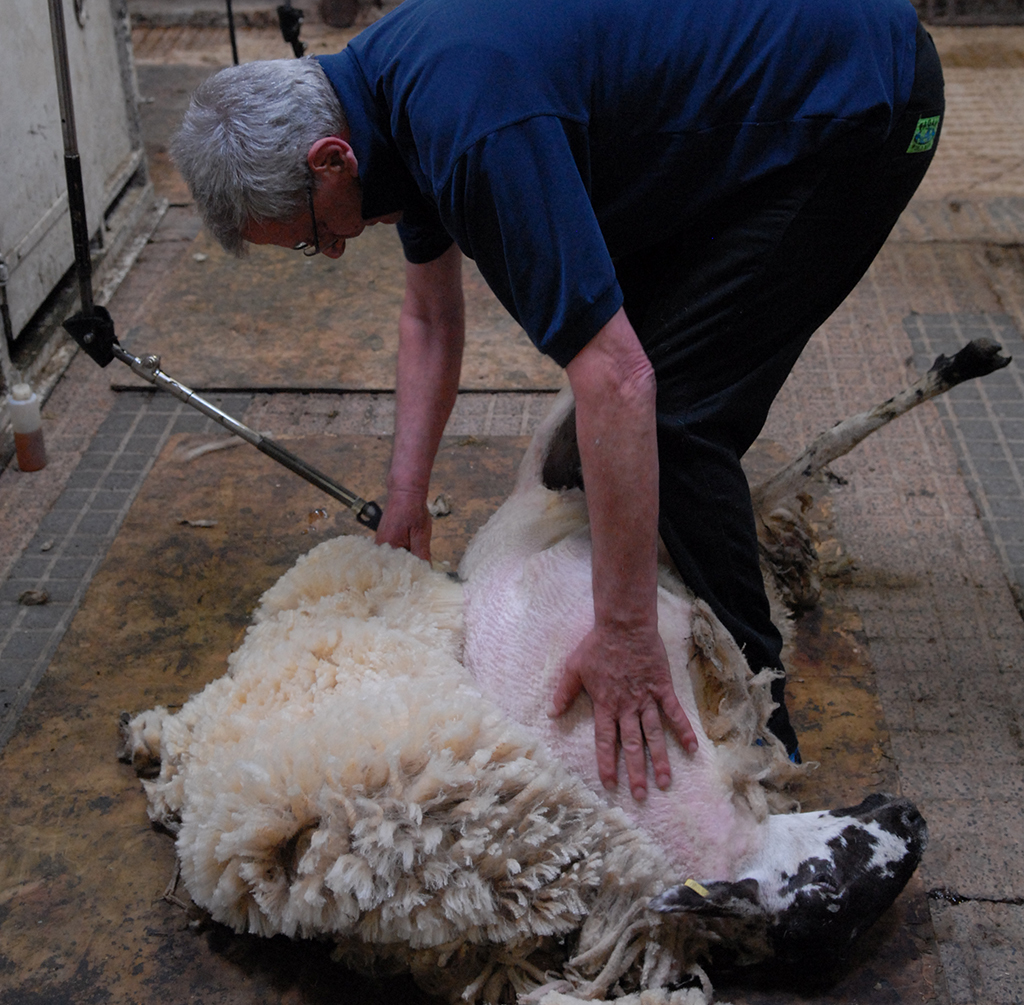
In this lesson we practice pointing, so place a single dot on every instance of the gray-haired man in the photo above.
(668, 197)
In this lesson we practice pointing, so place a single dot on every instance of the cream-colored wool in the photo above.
(346, 778)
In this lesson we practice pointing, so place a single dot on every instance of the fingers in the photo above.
(419, 541)
(655, 735)
(627, 701)
(680, 723)
(634, 754)
(646, 730)
(405, 526)
(639, 734)
(606, 734)
(606, 742)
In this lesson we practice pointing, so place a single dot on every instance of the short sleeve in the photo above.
(517, 203)
(422, 234)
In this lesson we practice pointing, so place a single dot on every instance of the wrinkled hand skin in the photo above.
(626, 673)
(406, 523)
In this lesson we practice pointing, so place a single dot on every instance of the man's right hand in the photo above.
(431, 333)
(406, 523)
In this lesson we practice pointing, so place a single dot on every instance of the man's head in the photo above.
(247, 142)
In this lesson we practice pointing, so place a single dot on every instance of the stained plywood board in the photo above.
(82, 873)
(278, 320)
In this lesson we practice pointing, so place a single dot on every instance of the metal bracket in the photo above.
(94, 332)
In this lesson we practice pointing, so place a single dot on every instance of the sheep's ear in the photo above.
(717, 900)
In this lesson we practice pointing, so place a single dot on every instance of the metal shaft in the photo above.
(231, 33)
(148, 367)
(72, 161)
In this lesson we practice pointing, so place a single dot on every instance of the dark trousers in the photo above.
(724, 309)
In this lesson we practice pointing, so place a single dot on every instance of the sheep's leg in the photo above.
(171, 891)
(788, 549)
(976, 359)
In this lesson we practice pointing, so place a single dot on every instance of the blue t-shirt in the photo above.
(548, 137)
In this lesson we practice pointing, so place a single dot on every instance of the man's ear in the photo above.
(332, 153)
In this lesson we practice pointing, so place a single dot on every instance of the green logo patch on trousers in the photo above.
(924, 134)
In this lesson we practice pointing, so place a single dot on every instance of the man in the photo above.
(670, 197)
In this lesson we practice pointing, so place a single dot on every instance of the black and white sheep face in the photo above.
(821, 879)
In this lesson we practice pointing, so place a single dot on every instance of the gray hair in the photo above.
(243, 142)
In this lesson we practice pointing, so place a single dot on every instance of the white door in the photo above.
(35, 224)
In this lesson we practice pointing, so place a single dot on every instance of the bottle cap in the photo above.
(21, 392)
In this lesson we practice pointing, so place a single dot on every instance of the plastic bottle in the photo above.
(23, 403)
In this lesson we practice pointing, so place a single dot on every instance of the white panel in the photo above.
(35, 227)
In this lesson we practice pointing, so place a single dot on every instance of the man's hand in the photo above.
(622, 662)
(431, 332)
(626, 674)
(406, 523)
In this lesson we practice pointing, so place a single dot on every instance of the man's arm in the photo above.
(622, 663)
(431, 334)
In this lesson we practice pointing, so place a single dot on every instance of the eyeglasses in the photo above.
(309, 250)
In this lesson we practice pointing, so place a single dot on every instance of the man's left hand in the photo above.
(622, 662)
(626, 673)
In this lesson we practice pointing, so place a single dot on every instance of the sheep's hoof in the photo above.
(133, 748)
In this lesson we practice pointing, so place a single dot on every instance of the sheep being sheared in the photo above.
(377, 768)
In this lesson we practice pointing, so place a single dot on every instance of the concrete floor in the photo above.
(929, 512)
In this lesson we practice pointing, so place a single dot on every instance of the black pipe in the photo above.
(72, 161)
(79, 229)
(231, 33)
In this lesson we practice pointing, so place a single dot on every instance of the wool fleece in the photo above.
(348, 778)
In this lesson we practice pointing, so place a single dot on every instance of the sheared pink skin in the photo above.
(524, 614)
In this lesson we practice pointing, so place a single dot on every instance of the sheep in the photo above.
(376, 768)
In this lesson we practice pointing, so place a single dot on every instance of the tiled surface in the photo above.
(999, 220)
(980, 153)
(73, 537)
(981, 946)
(474, 414)
(984, 419)
(939, 619)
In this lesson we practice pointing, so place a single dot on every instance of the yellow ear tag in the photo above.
(696, 887)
